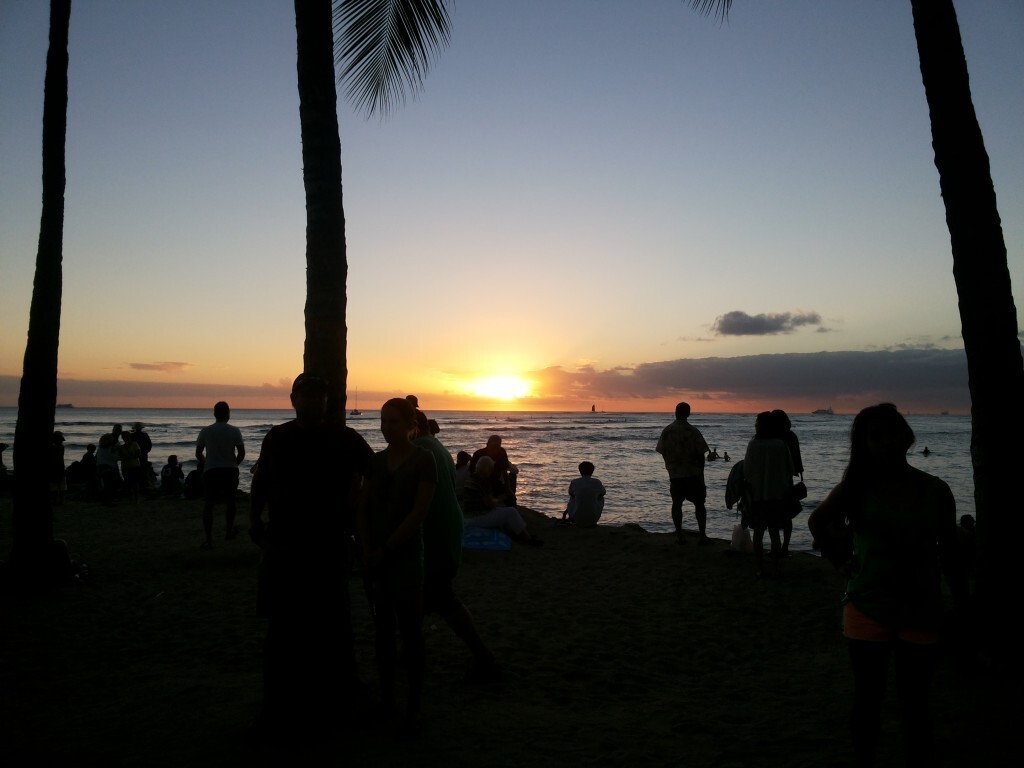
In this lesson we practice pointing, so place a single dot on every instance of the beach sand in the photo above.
(619, 647)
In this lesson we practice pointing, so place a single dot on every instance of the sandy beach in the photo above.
(619, 647)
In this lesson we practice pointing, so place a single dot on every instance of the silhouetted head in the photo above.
(433, 426)
(397, 420)
(462, 459)
(58, 437)
(221, 411)
(782, 419)
(967, 522)
(763, 425)
(138, 426)
(485, 466)
(494, 441)
(172, 459)
(413, 400)
(90, 448)
(683, 411)
(586, 468)
(880, 437)
(309, 398)
(422, 424)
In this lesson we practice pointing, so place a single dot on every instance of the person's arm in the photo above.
(828, 527)
(200, 447)
(949, 555)
(239, 450)
(258, 495)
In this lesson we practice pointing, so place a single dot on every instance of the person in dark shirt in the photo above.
(307, 481)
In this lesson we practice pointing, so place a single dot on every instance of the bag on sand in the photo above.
(741, 539)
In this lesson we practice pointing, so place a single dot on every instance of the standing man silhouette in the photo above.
(219, 451)
(683, 448)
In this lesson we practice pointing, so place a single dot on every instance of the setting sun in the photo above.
(500, 387)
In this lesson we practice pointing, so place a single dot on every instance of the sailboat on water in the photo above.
(355, 411)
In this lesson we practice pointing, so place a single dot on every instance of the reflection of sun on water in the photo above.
(500, 387)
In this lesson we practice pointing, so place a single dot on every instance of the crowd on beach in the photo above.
(324, 506)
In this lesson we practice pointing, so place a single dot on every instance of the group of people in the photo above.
(890, 528)
(330, 500)
(119, 464)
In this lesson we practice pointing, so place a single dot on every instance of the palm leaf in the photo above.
(385, 47)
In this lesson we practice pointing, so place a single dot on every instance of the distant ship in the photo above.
(355, 411)
(64, 405)
(823, 412)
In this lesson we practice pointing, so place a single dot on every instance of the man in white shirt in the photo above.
(219, 451)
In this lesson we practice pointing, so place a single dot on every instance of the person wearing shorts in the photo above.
(219, 451)
(683, 447)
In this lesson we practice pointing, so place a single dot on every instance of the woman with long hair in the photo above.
(891, 528)
(399, 487)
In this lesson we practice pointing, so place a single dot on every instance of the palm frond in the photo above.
(719, 8)
(385, 47)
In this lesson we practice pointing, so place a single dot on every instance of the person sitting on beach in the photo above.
(87, 468)
(768, 474)
(219, 451)
(484, 510)
(462, 460)
(503, 477)
(172, 477)
(586, 498)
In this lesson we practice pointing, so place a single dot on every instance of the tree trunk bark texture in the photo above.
(37, 398)
(326, 260)
(987, 312)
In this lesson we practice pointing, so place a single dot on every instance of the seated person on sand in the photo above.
(461, 472)
(586, 498)
(503, 479)
(172, 477)
(482, 509)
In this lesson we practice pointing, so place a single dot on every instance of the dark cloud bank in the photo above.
(928, 378)
(914, 379)
(737, 323)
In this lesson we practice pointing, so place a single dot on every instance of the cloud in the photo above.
(165, 367)
(917, 379)
(921, 378)
(737, 323)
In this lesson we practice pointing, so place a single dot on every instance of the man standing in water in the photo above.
(307, 479)
(683, 448)
(219, 451)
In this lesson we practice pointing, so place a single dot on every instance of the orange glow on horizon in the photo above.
(503, 388)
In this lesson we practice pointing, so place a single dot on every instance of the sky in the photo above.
(590, 202)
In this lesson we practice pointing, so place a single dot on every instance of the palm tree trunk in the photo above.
(987, 312)
(37, 398)
(326, 260)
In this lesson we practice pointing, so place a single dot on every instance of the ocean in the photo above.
(547, 447)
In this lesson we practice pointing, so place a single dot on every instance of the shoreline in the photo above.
(618, 646)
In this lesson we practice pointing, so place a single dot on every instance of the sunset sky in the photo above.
(604, 202)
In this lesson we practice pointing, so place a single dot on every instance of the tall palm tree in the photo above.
(387, 44)
(37, 398)
(988, 316)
